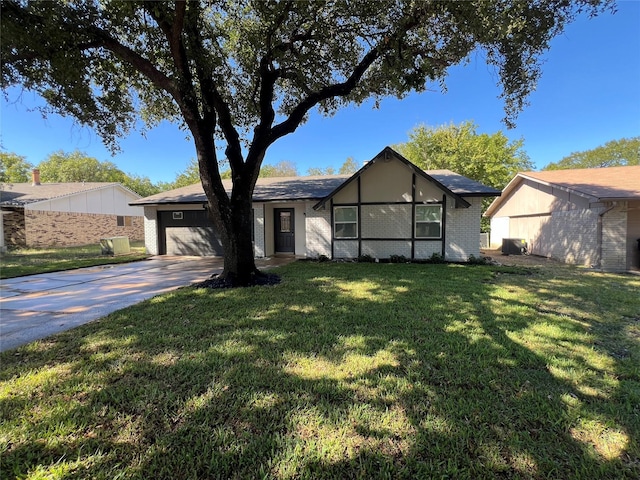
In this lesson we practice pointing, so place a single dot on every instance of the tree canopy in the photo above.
(14, 168)
(242, 74)
(491, 159)
(616, 153)
(77, 166)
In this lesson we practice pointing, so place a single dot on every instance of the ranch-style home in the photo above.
(389, 207)
(582, 216)
(43, 214)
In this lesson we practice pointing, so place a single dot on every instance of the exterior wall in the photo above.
(299, 226)
(462, 237)
(633, 235)
(386, 221)
(533, 198)
(318, 231)
(499, 230)
(385, 196)
(258, 230)
(111, 200)
(151, 230)
(14, 231)
(614, 238)
(45, 228)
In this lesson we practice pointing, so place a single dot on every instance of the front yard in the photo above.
(341, 371)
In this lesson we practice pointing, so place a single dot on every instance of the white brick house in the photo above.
(389, 207)
(581, 216)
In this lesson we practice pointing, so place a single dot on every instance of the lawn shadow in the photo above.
(343, 371)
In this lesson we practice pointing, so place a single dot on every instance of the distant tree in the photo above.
(616, 153)
(319, 171)
(240, 75)
(77, 166)
(348, 167)
(14, 168)
(491, 159)
(188, 176)
(142, 185)
(284, 168)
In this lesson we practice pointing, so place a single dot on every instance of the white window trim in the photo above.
(335, 222)
(416, 222)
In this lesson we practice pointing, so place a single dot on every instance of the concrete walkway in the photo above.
(36, 306)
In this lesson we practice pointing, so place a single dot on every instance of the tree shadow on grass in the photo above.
(343, 371)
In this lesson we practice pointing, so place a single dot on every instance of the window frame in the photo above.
(342, 222)
(417, 222)
(124, 221)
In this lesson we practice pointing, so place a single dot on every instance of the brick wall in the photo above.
(462, 235)
(318, 231)
(151, 230)
(14, 228)
(614, 238)
(62, 228)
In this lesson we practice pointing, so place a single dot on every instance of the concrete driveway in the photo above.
(36, 306)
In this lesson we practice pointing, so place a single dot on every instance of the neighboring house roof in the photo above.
(595, 184)
(21, 194)
(322, 188)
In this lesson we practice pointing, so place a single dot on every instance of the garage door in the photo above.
(188, 232)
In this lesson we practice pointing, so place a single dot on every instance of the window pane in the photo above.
(428, 213)
(345, 230)
(120, 221)
(346, 214)
(285, 222)
(428, 230)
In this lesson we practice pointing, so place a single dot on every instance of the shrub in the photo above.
(366, 259)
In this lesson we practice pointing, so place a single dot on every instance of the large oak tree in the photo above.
(241, 74)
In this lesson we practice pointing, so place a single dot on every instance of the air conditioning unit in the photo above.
(514, 246)
(115, 246)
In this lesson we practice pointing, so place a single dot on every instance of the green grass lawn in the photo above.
(341, 371)
(29, 261)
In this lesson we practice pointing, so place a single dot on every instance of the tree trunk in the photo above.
(231, 215)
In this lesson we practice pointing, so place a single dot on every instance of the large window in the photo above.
(345, 222)
(428, 221)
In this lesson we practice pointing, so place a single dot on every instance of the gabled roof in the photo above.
(21, 194)
(452, 183)
(272, 189)
(322, 188)
(594, 184)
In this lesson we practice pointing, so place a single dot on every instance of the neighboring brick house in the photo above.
(582, 216)
(36, 215)
(389, 207)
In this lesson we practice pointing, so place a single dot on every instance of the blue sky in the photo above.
(589, 94)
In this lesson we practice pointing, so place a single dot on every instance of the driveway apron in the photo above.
(36, 306)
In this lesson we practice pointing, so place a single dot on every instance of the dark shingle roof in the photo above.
(266, 190)
(320, 187)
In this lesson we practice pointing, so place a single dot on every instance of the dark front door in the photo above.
(284, 228)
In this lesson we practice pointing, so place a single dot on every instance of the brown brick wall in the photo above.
(14, 227)
(62, 228)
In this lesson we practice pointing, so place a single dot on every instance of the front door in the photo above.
(285, 241)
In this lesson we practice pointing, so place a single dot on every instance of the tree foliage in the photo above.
(246, 73)
(77, 166)
(491, 159)
(14, 168)
(284, 168)
(348, 167)
(616, 153)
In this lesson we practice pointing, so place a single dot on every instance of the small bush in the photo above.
(323, 258)
(366, 259)
(398, 259)
(473, 260)
(436, 258)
